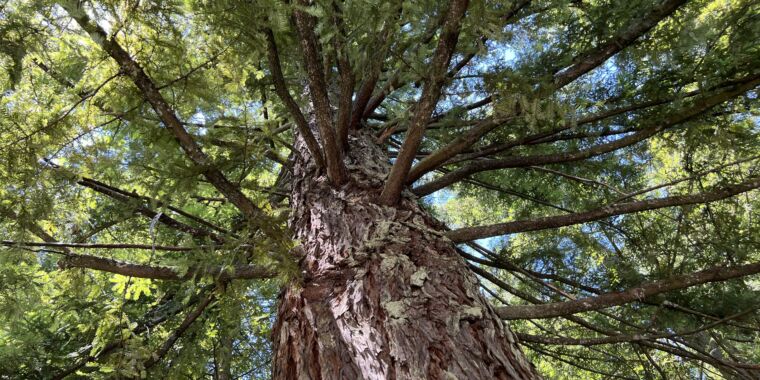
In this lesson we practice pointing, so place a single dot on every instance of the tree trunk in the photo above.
(383, 295)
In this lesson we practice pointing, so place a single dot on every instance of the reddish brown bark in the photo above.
(384, 294)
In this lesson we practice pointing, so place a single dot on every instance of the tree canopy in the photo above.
(596, 162)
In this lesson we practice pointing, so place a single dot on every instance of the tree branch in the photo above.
(565, 341)
(281, 88)
(177, 333)
(151, 319)
(55, 244)
(595, 57)
(318, 89)
(558, 309)
(699, 107)
(473, 233)
(346, 78)
(123, 268)
(553, 134)
(584, 63)
(576, 364)
(126, 197)
(394, 80)
(679, 180)
(367, 86)
(151, 94)
(424, 107)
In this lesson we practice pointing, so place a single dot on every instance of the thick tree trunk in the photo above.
(384, 295)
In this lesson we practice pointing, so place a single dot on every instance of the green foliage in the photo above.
(68, 112)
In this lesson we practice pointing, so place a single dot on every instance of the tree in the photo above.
(328, 189)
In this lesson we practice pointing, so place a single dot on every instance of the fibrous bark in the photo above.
(384, 294)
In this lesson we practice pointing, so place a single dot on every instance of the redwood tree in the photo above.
(396, 189)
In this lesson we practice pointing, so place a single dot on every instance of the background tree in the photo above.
(394, 189)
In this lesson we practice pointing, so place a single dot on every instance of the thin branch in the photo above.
(395, 80)
(473, 233)
(674, 182)
(518, 194)
(177, 333)
(565, 341)
(55, 244)
(675, 350)
(553, 134)
(151, 319)
(715, 274)
(500, 263)
(585, 181)
(625, 37)
(576, 364)
(699, 107)
(222, 273)
(71, 260)
(469, 107)
(584, 63)
(31, 227)
(83, 97)
(127, 197)
(368, 84)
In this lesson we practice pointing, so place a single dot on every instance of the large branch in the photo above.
(497, 261)
(558, 309)
(281, 88)
(424, 107)
(473, 233)
(319, 97)
(395, 80)
(347, 80)
(122, 195)
(364, 94)
(698, 107)
(580, 321)
(585, 62)
(583, 323)
(151, 94)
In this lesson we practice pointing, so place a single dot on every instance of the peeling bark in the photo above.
(384, 294)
